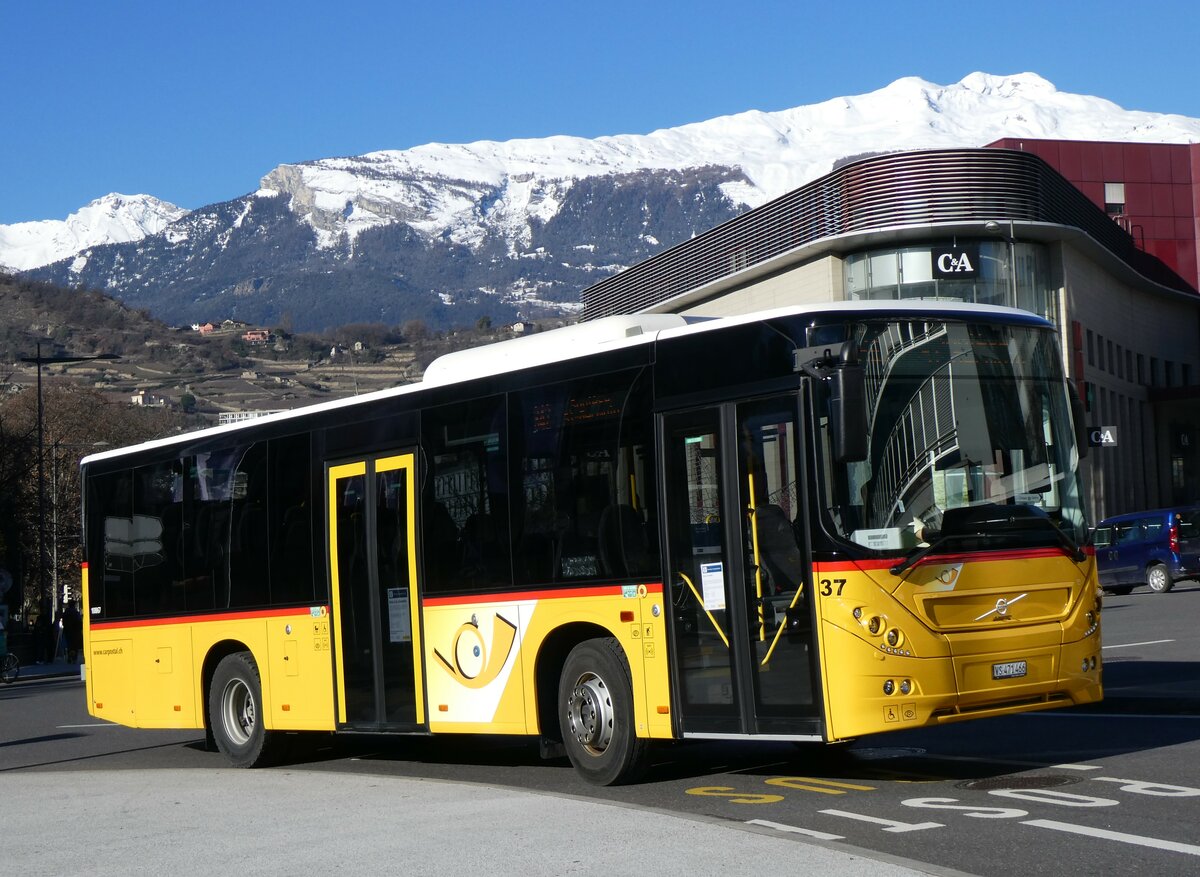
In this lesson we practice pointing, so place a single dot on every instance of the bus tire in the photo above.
(235, 712)
(595, 713)
(1158, 577)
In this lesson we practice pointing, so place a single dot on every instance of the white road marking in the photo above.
(892, 825)
(1075, 767)
(807, 832)
(1153, 642)
(1119, 836)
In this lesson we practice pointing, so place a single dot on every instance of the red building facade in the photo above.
(1151, 189)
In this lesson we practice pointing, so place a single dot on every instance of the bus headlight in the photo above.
(894, 638)
(875, 625)
(905, 686)
(889, 687)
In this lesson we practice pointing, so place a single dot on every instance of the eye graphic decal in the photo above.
(473, 664)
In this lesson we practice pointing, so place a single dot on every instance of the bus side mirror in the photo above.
(848, 413)
(1077, 420)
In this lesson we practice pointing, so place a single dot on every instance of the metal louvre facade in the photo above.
(902, 189)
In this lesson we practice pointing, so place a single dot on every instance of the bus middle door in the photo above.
(372, 521)
(741, 612)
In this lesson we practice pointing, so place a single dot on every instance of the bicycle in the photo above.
(10, 668)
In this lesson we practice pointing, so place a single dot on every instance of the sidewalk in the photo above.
(55, 669)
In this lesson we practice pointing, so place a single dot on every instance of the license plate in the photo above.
(1011, 670)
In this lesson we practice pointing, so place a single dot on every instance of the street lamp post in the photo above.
(40, 361)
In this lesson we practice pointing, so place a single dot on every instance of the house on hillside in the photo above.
(147, 400)
(257, 336)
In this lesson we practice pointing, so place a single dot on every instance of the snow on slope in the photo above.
(476, 190)
(469, 189)
(112, 219)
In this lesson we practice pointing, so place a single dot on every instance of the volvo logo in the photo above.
(1000, 610)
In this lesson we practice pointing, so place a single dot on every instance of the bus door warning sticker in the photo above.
(712, 584)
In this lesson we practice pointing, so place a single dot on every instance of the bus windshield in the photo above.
(970, 433)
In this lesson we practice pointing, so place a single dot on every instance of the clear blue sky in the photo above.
(194, 101)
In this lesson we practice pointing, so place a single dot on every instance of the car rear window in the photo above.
(1189, 525)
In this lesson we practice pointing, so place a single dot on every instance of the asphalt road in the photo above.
(1113, 788)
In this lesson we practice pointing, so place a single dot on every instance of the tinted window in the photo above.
(229, 528)
(249, 569)
(110, 551)
(585, 507)
(1127, 533)
(290, 516)
(466, 496)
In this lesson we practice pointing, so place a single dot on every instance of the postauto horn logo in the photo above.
(474, 665)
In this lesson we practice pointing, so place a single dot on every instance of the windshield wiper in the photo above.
(921, 553)
(990, 521)
(1065, 540)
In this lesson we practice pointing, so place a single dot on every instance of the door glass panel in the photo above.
(772, 530)
(392, 557)
(700, 568)
(357, 640)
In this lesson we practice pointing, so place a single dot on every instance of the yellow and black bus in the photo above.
(809, 524)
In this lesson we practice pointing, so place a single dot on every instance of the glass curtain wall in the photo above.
(908, 272)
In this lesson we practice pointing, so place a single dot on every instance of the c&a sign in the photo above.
(956, 263)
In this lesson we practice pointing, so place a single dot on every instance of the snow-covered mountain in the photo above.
(487, 186)
(113, 219)
(447, 232)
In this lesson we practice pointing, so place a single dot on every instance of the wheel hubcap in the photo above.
(237, 711)
(590, 713)
(1157, 579)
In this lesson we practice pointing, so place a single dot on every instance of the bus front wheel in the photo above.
(235, 712)
(595, 711)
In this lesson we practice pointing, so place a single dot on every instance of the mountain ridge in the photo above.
(451, 233)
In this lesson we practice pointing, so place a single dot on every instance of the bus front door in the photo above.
(373, 573)
(741, 609)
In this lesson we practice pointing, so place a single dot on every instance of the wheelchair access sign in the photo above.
(1102, 437)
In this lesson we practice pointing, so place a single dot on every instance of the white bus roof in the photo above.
(570, 342)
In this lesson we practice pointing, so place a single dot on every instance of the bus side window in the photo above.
(466, 448)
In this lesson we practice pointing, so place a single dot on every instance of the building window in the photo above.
(1120, 363)
(1141, 369)
(1100, 352)
(1154, 371)
(974, 271)
(1129, 365)
(1091, 347)
(1112, 370)
(1114, 198)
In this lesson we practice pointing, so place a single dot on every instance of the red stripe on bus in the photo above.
(195, 619)
(547, 594)
(981, 556)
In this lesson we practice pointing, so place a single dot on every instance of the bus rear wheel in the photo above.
(235, 712)
(595, 711)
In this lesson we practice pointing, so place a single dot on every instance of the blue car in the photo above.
(1155, 548)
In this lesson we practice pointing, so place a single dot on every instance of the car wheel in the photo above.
(1158, 577)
